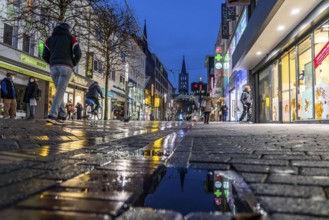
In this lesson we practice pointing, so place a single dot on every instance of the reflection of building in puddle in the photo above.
(221, 187)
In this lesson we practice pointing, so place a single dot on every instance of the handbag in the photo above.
(33, 102)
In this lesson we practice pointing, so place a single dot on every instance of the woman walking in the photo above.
(30, 96)
(208, 107)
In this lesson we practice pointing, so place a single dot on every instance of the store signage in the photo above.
(33, 62)
(157, 102)
(24, 71)
(90, 65)
(321, 56)
(237, 2)
(217, 90)
(225, 23)
(79, 80)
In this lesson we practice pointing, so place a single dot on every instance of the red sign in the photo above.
(321, 56)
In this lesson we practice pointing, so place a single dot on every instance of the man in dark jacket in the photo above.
(246, 100)
(30, 96)
(62, 52)
(93, 92)
(8, 94)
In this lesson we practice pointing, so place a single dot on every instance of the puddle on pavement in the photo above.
(195, 190)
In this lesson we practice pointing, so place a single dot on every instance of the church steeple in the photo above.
(145, 36)
(183, 80)
(183, 66)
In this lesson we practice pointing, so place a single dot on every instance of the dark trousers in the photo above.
(206, 117)
(96, 103)
(246, 110)
(224, 117)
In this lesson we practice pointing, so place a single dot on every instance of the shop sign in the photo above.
(24, 71)
(225, 23)
(157, 102)
(90, 64)
(79, 80)
(33, 62)
(237, 2)
(216, 91)
(321, 56)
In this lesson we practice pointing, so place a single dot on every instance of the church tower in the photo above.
(183, 80)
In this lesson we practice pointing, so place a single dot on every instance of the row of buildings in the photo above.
(142, 81)
(280, 48)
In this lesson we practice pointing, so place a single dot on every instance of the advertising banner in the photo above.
(225, 23)
(321, 56)
(237, 2)
(90, 65)
(218, 78)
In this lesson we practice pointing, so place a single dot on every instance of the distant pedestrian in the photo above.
(224, 111)
(30, 96)
(79, 111)
(208, 107)
(246, 100)
(69, 109)
(62, 52)
(9, 96)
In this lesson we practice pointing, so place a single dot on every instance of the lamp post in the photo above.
(200, 88)
(126, 115)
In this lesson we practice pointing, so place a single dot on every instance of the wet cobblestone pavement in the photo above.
(80, 172)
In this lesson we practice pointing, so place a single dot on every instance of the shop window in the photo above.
(113, 75)
(293, 85)
(305, 75)
(8, 34)
(321, 85)
(264, 96)
(275, 91)
(26, 43)
(285, 88)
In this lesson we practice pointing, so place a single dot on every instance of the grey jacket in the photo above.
(246, 98)
(209, 104)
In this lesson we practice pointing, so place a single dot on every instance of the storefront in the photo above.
(292, 87)
(25, 67)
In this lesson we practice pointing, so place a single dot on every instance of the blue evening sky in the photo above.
(177, 28)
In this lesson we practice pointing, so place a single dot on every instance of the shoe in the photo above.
(53, 120)
(250, 122)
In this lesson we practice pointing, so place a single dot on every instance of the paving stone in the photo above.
(26, 214)
(254, 177)
(56, 165)
(314, 171)
(208, 216)
(294, 217)
(67, 173)
(18, 175)
(296, 206)
(260, 161)
(287, 191)
(197, 158)
(291, 157)
(148, 213)
(310, 163)
(22, 190)
(211, 166)
(299, 180)
(278, 152)
(284, 170)
(251, 168)
(73, 205)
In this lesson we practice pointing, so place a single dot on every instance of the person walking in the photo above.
(246, 100)
(93, 91)
(79, 110)
(9, 96)
(224, 110)
(208, 107)
(30, 96)
(62, 52)
(69, 109)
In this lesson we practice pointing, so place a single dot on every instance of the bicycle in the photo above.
(91, 113)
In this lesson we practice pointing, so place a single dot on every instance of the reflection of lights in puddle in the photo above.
(122, 178)
(44, 151)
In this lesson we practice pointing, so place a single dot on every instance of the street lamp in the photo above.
(200, 88)
(126, 117)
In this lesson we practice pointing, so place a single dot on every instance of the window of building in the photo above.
(113, 75)
(285, 88)
(305, 75)
(8, 34)
(265, 95)
(275, 91)
(292, 74)
(26, 43)
(321, 85)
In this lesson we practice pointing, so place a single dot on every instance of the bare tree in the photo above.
(111, 30)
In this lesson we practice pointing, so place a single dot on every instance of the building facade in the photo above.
(284, 60)
(183, 80)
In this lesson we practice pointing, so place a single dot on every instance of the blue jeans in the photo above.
(32, 109)
(61, 76)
